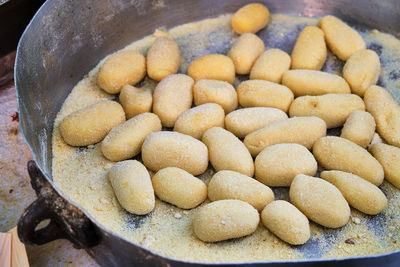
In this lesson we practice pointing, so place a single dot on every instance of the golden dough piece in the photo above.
(361, 194)
(341, 39)
(336, 153)
(163, 58)
(212, 67)
(270, 66)
(178, 187)
(286, 221)
(359, 128)
(332, 108)
(320, 201)
(197, 120)
(313, 82)
(225, 219)
(227, 152)
(171, 149)
(243, 121)
(90, 125)
(244, 52)
(310, 51)
(119, 69)
(277, 165)
(234, 185)
(213, 91)
(132, 186)
(135, 100)
(250, 18)
(260, 93)
(386, 112)
(125, 141)
(166, 95)
(389, 157)
(362, 70)
(300, 130)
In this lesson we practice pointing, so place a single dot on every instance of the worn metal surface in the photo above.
(48, 67)
(16, 192)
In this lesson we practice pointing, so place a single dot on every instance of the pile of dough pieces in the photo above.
(280, 85)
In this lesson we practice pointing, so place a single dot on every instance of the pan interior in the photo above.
(81, 172)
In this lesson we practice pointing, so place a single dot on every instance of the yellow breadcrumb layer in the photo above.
(81, 172)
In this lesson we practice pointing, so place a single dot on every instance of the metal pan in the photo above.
(52, 57)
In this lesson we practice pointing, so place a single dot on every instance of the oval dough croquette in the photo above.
(119, 69)
(287, 222)
(336, 153)
(277, 165)
(244, 52)
(270, 66)
(300, 130)
(178, 187)
(341, 39)
(225, 219)
(250, 18)
(166, 95)
(361, 194)
(227, 152)
(320, 201)
(90, 125)
(171, 149)
(332, 108)
(132, 186)
(125, 141)
(309, 51)
(234, 185)
(313, 82)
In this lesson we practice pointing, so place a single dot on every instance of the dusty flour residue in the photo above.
(81, 172)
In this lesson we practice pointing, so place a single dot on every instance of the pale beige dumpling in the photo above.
(270, 66)
(135, 100)
(341, 39)
(320, 201)
(212, 67)
(362, 70)
(243, 121)
(163, 58)
(178, 187)
(166, 95)
(244, 52)
(119, 69)
(336, 153)
(359, 128)
(171, 149)
(309, 51)
(277, 165)
(286, 221)
(227, 152)
(250, 18)
(300, 130)
(197, 120)
(386, 112)
(213, 91)
(359, 193)
(313, 82)
(90, 125)
(234, 185)
(332, 108)
(389, 157)
(125, 141)
(132, 186)
(260, 93)
(225, 219)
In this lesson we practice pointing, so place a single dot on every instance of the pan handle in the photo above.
(66, 220)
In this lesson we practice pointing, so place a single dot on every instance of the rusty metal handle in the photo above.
(66, 220)
(30, 219)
